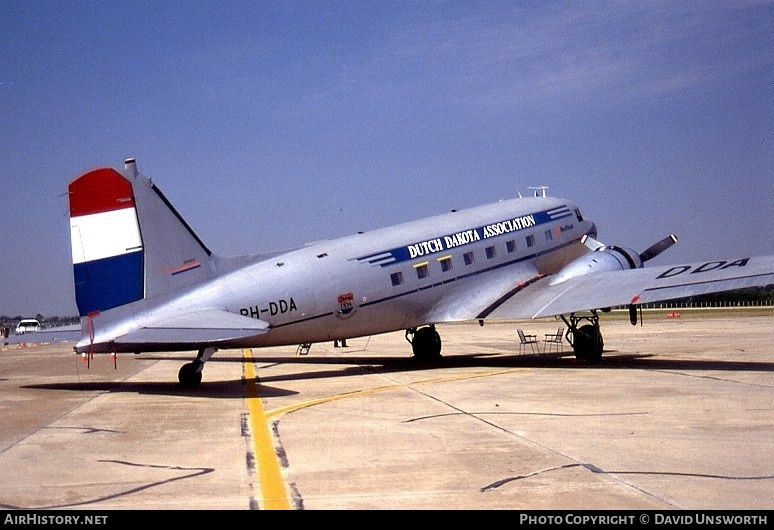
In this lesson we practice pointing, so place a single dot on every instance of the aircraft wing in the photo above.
(635, 286)
(209, 326)
(473, 303)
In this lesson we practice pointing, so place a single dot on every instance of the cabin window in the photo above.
(530, 241)
(490, 253)
(468, 258)
(396, 278)
(510, 246)
(549, 235)
(446, 263)
(422, 271)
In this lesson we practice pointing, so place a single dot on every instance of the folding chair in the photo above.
(552, 339)
(527, 339)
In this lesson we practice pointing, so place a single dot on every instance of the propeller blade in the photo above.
(658, 247)
(592, 243)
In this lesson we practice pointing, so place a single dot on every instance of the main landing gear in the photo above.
(190, 374)
(586, 339)
(425, 342)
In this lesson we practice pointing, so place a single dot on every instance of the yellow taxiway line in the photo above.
(272, 484)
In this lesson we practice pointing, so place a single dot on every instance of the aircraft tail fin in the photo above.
(128, 241)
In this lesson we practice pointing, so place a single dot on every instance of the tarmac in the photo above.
(678, 415)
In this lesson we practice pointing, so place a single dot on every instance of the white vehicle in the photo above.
(27, 325)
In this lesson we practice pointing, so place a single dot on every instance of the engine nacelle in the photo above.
(608, 258)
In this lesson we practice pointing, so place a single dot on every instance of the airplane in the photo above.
(145, 282)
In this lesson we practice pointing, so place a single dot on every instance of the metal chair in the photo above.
(552, 339)
(525, 340)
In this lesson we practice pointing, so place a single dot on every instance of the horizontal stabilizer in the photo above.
(211, 326)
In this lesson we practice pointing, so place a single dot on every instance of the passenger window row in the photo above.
(468, 258)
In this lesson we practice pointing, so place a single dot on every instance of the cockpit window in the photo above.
(578, 215)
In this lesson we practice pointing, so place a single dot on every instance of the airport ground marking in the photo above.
(269, 473)
(270, 476)
(312, 402)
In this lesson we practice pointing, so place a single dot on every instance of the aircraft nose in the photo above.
(593, 230)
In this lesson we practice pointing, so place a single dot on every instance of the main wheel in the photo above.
(587, 343)
(189, 376)
(426, 343)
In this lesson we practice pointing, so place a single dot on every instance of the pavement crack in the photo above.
(502, 482)
(190, 473)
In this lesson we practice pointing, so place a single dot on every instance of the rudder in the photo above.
(128, 241)
(107, 248)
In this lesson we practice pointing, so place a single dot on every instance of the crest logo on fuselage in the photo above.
(346, 303)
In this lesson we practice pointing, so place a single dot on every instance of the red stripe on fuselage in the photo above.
(101, 190)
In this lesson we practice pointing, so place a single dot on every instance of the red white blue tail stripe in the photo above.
(106, 242)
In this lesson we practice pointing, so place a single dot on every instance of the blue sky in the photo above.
(273, 124)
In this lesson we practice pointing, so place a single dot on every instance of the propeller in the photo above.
(657, 248)
(610, 258)
(649, 253)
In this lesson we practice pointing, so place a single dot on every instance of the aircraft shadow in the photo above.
(358, 365)
(611, 360)
(224, 389)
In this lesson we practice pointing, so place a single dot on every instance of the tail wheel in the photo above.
(426, 343)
